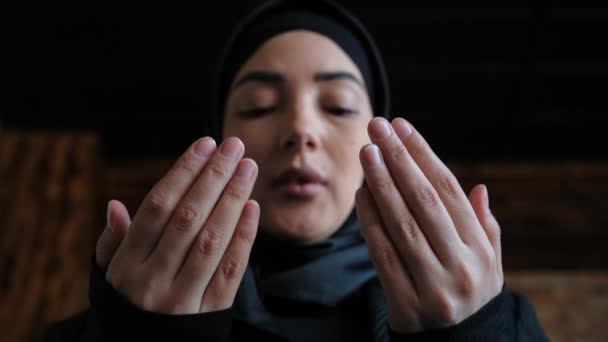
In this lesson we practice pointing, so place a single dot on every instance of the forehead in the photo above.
(299, 53)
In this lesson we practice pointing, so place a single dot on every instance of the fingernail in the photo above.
(380, 128)
(109, 222)
(231, 148)
(245, 169)
(403, 129)
(252, 211)
(373, 154)
(204, 147)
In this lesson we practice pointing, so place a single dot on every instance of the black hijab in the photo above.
(328, 272)
(321, 16)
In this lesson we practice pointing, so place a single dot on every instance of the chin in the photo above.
(296, 224)
(304, 235)
(302, 220)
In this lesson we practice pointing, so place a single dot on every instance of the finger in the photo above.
(443, 181)
(210, 245)
(196, 206)
(409, 241)
(394, 277)
(225, 282)
(160, 202)
(480, 203)
(117, 223)
(419, 194)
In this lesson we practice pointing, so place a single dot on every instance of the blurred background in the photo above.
(96, 103)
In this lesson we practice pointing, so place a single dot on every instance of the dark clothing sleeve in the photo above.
(508, 317)
(112, 316)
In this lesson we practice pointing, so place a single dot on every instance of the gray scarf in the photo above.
(324, 273)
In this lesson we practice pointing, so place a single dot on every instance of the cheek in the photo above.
(353, 141)
(256, 145)
(349, 171)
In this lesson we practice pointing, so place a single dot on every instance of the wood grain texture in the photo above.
(572, 306)
(552, 213)
(48, 206)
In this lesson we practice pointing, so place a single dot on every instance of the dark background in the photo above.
(479, 83)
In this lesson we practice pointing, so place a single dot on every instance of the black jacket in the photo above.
(507, 317)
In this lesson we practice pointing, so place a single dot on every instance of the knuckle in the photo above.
(158, 202)
(217, 170)
(247, 232)
(487, 255)
(232, 268)
(209, 242)
(384, 185)
(141, 288)
(467, 280)
(188, 163)
(234, 193)
(397, 151)
(186, 217)
(408, 228)
(494, 228)
(427, 198)
(417, 146)
(150, 291)
(450, 185)
(139, 292)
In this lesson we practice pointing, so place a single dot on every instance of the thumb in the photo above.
(118, 221)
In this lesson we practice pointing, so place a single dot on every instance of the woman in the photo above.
(298, 90)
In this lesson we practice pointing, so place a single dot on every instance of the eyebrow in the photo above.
(275, 78)
(261, 76)
(337, 75)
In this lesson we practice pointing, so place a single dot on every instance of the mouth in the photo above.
(300, 183)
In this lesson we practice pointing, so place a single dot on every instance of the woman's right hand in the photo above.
(188, 245)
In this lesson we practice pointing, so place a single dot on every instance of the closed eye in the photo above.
(256, 111)
(340, 111)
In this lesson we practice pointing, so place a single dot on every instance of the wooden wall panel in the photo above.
(48, 207)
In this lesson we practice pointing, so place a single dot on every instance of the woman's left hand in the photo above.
(437, 252)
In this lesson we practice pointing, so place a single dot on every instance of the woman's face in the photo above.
(300, 106)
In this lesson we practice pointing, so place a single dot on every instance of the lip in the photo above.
(300, 183)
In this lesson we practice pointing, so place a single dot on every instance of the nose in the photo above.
(302, 130)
